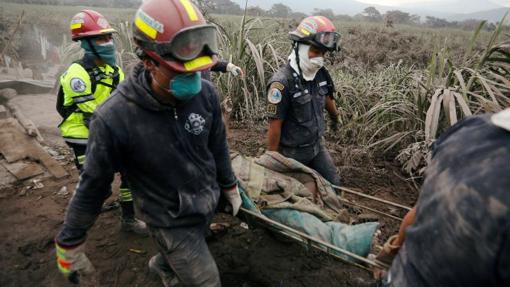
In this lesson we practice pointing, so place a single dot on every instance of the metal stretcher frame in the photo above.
(331, 250)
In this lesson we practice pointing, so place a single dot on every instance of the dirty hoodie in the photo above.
(175, 159)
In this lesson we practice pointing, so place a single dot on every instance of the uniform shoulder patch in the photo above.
(78, 85)
(274, 95)
(271, 109)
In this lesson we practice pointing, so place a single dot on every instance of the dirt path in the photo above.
(245, 257)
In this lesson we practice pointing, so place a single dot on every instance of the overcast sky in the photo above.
(399, 2)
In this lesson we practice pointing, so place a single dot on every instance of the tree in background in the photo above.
(438, 22)
(399, 17)
(298, 15)
(280, 10)
(255, 11)
(372, 14)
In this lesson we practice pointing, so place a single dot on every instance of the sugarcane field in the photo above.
(255, 143)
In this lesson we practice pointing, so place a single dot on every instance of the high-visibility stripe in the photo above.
(109, 30)
(145, 28)
(192, 14)
(81, 159)
(63, 266)
(76, 141)
(304, 31)
(75, 26)
(197, 63)
(125, 195)
(60, 251)
(83, 99)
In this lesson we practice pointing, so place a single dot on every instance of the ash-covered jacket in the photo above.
(461, 234)
(175, 159)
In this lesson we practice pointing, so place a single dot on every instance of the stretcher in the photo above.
(256, 218)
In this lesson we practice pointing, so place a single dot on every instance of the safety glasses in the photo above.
(328, 40)
(188, 44)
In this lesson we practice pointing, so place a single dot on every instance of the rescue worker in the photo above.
(162, 129)
(83, 87)
(297, 95)
(459, 232)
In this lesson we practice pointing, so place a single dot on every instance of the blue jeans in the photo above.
(186, 252)
(317, 158)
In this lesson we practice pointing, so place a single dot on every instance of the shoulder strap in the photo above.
(96, 76)
(93, 74)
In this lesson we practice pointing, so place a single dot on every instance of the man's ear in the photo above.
(149, 64)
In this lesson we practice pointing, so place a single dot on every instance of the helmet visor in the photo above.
(189, 44)
(328, 40)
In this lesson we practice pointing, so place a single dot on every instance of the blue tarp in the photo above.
(354, 238)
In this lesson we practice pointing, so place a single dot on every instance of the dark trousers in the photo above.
(317, 158)
(186, 253)
(125, 198)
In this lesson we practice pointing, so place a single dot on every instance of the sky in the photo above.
(400, 2)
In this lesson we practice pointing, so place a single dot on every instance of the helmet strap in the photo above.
(300, 76)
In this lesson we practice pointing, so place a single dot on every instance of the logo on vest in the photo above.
(195, 124)
(78, 85)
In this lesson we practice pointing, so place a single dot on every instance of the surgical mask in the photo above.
(309, 67)
(186, 86)
(106, 51)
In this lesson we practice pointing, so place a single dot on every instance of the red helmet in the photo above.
(175, 34)
(318, 31)
(89, 23)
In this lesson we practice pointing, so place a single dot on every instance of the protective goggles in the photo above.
(327, 40)
(187, 45)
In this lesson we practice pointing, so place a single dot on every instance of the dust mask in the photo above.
(309, 67)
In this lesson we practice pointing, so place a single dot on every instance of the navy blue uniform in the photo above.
(461, 235)
(301, 108)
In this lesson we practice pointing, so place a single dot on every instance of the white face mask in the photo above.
(309, 67)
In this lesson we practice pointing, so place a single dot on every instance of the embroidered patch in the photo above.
(195, 124)
(271, 109)
(78, 85)
(277, 85)
(274, 96)
(322, 84)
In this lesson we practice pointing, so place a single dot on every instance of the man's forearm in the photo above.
(406, 222)
(273, 142)
(81, 214)
(331, 107)
(273, 135)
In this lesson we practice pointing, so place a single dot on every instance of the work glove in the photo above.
(334, 122)
(234, 70)
(233, 196)
(72, 262)
(387, 254)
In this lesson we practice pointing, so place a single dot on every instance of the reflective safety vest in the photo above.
(82, 90)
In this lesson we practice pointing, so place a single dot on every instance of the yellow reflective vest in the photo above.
(84, 90)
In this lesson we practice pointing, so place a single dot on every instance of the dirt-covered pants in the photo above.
(187, 254)
(125, 197)
(321, 162)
